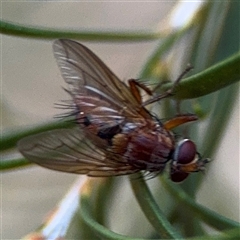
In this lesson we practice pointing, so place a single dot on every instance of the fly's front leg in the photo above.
(134, 87)
(179, 120)
(170, 91)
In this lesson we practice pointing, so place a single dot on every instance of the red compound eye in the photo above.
(185, 152)
(178, 176)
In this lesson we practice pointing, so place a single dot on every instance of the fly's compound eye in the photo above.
(183, 160)
(185, 152)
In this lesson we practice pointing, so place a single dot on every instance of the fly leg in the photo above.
(134, 87)
(170, 91)
(179, 120)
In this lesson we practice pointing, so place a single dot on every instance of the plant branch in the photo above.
(150, 208)
(13, 163)
(49, 33)
(208, 216)
(210, 80)
(10, 139)
(99, 230)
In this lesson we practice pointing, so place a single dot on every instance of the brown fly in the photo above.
(115, 134)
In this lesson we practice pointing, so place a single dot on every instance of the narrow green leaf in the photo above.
(48, 33)
(210, 80)
(151, 210)
(10, 139)
(208, 216)
(163, 47)
(100, 231)
(223, 109)
(13, 164)
(232, 234)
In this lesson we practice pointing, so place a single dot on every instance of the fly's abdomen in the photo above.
(148, 150)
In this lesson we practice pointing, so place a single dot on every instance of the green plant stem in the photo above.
(150, 208)
(13, 163)
(232, 234)
(208, 216)
(102, 198)
(10, 139)
(100, 231)
(223, 110)
(164, 46)
(48, 33)
(210, 80)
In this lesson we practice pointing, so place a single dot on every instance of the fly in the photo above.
(115, 134)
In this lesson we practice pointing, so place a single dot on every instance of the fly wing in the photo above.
(68, 150)
(100, 97)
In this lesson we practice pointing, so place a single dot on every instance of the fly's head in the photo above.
(185, 160)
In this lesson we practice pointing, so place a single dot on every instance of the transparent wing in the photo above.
(68, 150)
(96, 91)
